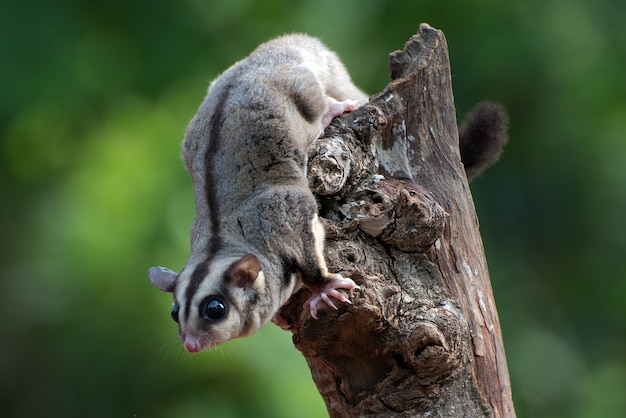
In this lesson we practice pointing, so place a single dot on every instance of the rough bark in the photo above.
(422, 337)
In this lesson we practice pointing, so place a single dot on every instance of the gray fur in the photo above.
(245, 150)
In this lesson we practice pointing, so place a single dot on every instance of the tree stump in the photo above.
(422, 337)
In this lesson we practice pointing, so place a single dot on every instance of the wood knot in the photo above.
(435, 350)
(329, 166)
(418, 221)
(402, 215)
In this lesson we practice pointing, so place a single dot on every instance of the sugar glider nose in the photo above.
(192, 345)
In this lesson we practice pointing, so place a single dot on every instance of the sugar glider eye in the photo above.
(213, 308)
(175, 310)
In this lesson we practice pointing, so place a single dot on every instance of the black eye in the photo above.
(213, 308)
(175, 310)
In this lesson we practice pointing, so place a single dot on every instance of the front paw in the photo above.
(328, 290)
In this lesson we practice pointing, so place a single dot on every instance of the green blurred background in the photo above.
(94, 99)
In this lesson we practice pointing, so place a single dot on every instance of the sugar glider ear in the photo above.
(162, 278)
(244, 272)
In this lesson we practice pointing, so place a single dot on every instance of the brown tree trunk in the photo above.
(422, 337)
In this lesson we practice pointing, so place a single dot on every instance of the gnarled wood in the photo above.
(422, 337)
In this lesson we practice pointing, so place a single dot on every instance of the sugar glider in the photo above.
(256, 237)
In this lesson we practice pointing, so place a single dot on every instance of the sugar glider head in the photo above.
(216, 301)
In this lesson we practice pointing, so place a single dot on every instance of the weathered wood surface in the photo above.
(422, 337)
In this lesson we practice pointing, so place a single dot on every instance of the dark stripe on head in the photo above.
(200, 273)
(215, 242)
(197, 277)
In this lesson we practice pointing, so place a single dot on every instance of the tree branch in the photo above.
(422, 337)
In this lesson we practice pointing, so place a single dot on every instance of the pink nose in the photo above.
(192, 345)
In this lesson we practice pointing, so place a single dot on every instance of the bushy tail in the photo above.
(482, 137)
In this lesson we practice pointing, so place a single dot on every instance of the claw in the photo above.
(328, 301)
(338, 295)
(313, 308)
(330, 290)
